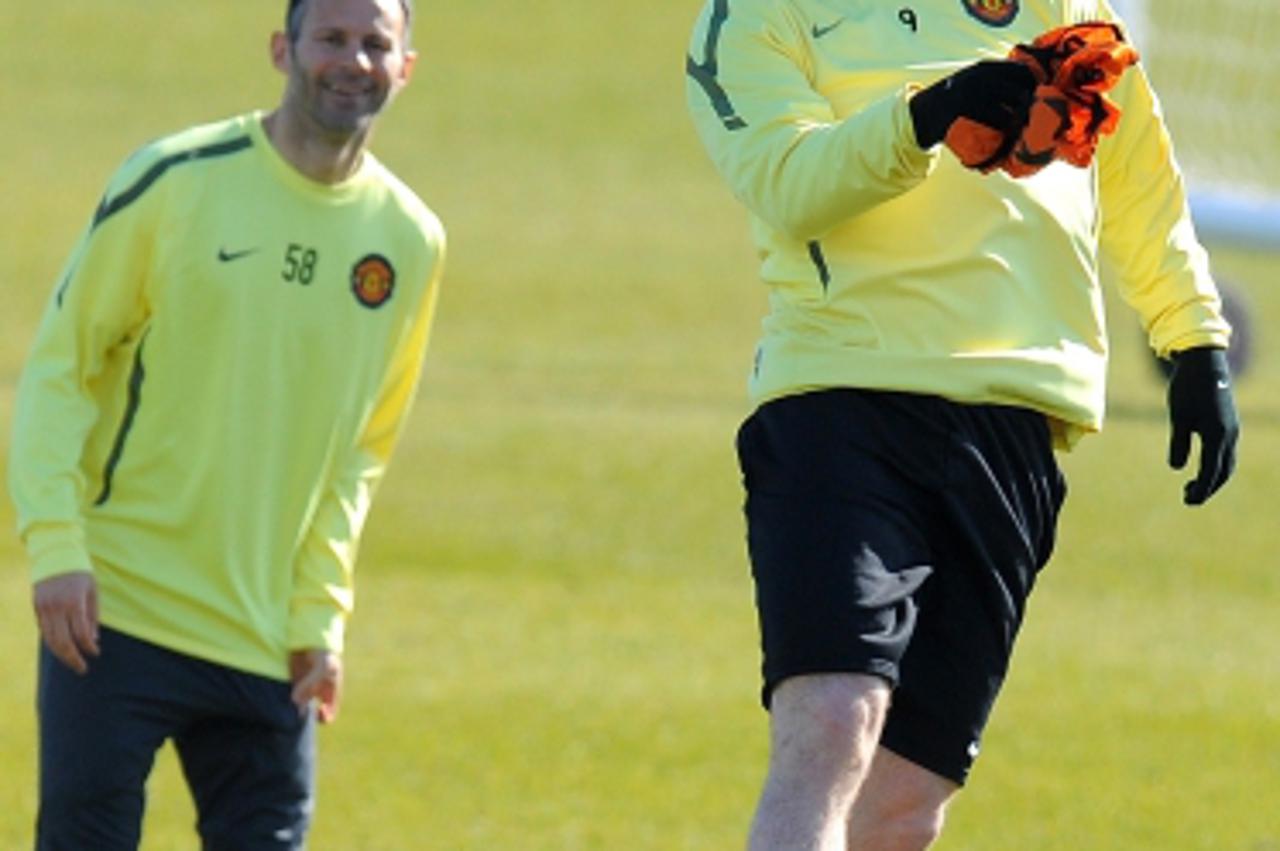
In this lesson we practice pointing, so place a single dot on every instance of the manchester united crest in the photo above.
(372, 280)
(993, 13)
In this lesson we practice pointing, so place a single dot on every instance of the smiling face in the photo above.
(344, 64)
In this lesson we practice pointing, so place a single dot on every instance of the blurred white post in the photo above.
(1242, 212)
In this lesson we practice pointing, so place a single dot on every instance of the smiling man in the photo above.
(212, 397)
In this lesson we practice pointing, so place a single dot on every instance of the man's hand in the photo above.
(67, 611)
(1200, 402)
(316, 675)
(996, 93)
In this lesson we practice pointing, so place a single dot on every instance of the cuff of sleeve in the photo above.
(56, 548)
(1198, 339)
(923, 159)
(317, 626)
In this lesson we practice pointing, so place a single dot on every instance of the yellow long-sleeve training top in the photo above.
(894, 267)
(215, 389)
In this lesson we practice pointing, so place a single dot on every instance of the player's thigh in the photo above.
(99, 733)
(836, 534)
(1003, 497)
(819, 718)
(251, 768)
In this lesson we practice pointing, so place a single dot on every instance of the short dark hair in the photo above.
(293, 18)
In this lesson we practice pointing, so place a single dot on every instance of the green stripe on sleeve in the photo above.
(136, 377)
(110, 207)
(704, 73)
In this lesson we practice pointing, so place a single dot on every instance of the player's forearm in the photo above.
(324, 574)
(796, 160)
(55, 549)
(805, 178)
(323, 594)
(52, 416)
(1147, 232)
(320, 620)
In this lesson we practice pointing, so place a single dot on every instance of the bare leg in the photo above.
(823, 734)
(900, 806)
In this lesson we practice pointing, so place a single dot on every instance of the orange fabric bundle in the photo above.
(1074, 66)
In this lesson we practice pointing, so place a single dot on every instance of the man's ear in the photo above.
(280, 51)
(406, 70)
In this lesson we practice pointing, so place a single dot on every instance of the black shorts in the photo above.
(899, 535)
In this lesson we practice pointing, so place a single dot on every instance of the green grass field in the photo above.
(555, 645)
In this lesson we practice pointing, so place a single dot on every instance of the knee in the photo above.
(71, 786)
(266, 826)
(72, 816)
(903, 831)
(830, 714)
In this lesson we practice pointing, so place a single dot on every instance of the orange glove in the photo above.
(1074, 66)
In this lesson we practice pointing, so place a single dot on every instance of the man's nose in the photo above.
(358, 57)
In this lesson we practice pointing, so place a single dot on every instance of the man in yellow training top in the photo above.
(933, 333)
(213, 395)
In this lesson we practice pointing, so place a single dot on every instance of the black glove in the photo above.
(1200, 402)
(994, 92)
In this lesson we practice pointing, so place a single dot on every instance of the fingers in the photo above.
(1200, 403)
(1204, 484)
(91, 609)
(1179, 446)
(55, 629)
(317, 678)
(67, 612)
(1006, 71)
(1217, 462)
(322, 692)
(306, 689)
(327, 710)
(84, 624)
(70, 638)
(1012, 83)
(999, 115)
(1022, 76)
(1003, 106)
